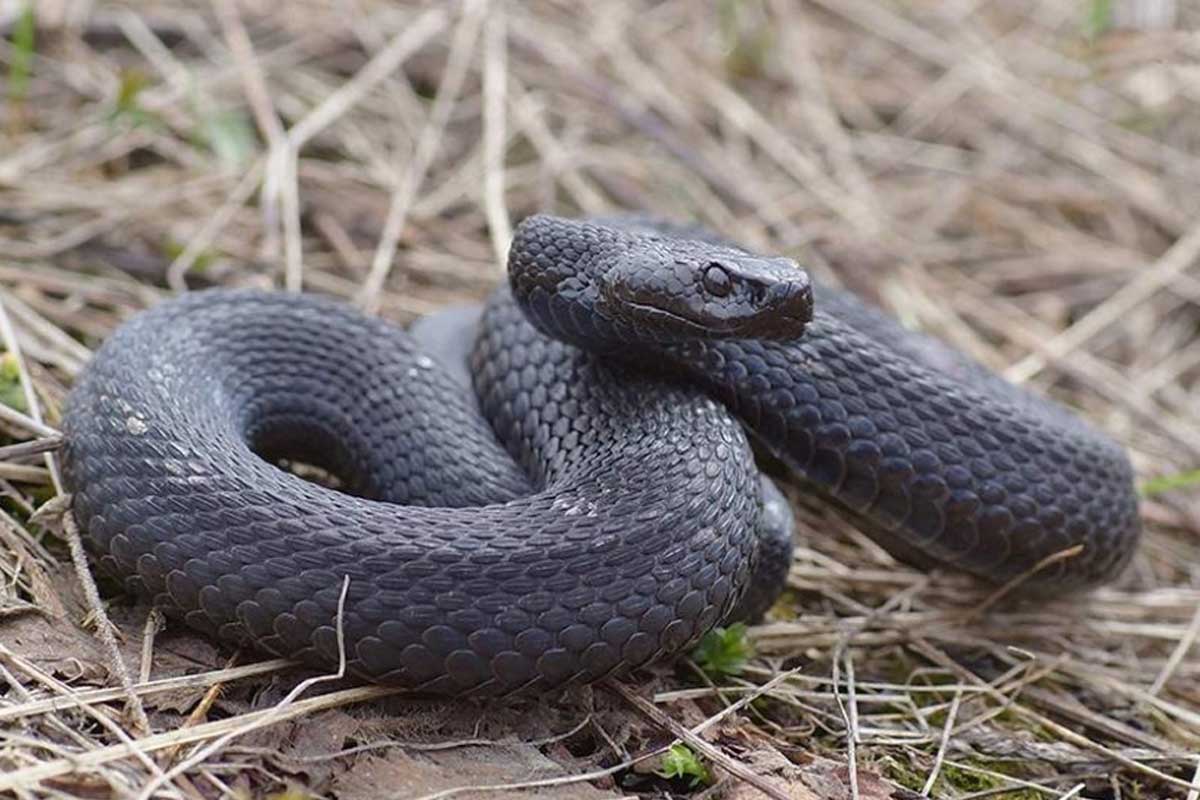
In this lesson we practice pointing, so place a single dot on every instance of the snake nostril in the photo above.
(793, 299)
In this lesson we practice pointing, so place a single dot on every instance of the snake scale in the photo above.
(593, 504)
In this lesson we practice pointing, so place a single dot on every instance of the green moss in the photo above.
(954, 780)
(1144, 122)
(982, 778)
(11, 393)
(902, 774)
(926, 699)
(967, 780)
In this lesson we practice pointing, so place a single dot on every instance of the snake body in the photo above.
(583, 512)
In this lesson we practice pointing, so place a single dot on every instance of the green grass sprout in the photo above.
(1168, 483)
(680, 762)
(724, 651)
(24, 42)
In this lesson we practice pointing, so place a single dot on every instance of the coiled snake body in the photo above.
(579, 513)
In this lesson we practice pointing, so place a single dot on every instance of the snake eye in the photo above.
(716, 281)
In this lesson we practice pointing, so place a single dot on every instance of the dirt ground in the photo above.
(1019, 178)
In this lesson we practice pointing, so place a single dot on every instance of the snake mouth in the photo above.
(709, 328)
(766, 323)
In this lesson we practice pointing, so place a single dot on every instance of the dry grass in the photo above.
(1013, 176)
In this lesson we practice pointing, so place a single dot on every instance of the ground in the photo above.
(1018, 178)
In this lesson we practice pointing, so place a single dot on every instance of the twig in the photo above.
(198, 714)
(154, 623)
(530, 114)
(849, 712)
(1194, 792)
(104, 695)
(1177, 655)
(45, 445)
(416, 747)
(495, 75)
(35, 426)
(63, 690)
(1059, 730)
(947, 730)
(104, 627)
(1012, 583)
(254, 85)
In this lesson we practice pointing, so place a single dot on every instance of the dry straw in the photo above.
(1018, 178)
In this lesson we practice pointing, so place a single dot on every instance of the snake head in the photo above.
(684, 289)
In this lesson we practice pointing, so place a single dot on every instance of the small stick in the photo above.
(495, 80)
(13, 417)
(947, 730)
(47, 444)
(1177, 655)
(1012, 583)
(154, 623)
(104, 627)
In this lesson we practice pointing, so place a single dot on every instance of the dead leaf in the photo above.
(410, 775)
(770, 763)
(830, 780)
(55, 646)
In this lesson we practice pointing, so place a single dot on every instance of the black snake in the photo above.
(578, 513)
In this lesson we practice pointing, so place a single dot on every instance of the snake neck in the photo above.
(553, 271)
